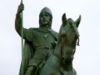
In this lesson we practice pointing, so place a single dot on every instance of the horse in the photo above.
(61, 60)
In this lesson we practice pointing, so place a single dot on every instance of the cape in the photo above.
(26, 56)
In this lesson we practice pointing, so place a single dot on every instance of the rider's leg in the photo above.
(36, 61)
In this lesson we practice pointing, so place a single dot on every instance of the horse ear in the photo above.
(77, 22)
(64, 19)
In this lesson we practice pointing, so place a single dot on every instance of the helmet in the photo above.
(47, 10)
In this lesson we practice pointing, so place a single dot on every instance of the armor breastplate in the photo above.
(43, 39)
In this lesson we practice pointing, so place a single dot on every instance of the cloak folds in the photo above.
(27, 53)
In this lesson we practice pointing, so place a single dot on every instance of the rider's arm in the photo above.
(27, 33)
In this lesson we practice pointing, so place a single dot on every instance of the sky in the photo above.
(86, 60)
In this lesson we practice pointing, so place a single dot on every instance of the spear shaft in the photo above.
(22, 30)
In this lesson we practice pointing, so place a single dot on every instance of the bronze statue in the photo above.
(39, 42)
(46, 52)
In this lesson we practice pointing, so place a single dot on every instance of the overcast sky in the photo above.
(87, 56)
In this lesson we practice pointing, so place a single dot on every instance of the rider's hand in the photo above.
(20, 8)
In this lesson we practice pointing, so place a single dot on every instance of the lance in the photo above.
(22, 31)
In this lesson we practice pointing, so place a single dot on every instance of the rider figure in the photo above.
(42, 40)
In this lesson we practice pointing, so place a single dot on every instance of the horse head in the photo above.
(68, 38)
